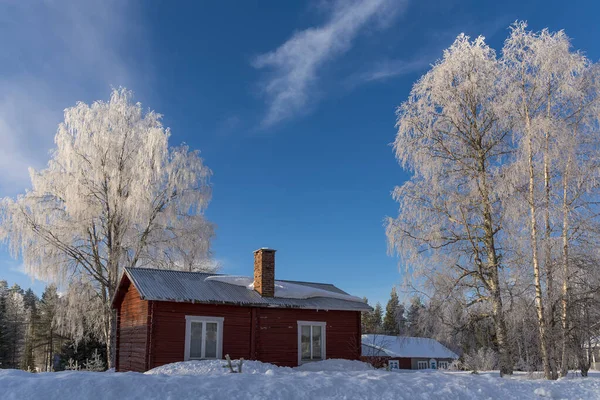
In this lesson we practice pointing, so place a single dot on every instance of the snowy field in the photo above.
(332, 379)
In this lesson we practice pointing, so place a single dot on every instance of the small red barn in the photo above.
(166, 316)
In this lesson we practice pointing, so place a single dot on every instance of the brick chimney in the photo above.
(264, 272)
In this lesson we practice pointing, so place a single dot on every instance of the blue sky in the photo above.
(291, 104)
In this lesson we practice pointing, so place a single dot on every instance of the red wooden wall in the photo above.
(152, 333)
(381, 361)
(132, 332)
(277, 341)
(168, 330)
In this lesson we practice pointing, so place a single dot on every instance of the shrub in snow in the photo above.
(72, 365)
(484, 359)
(455, 365)
(95, 363)
(377, 362)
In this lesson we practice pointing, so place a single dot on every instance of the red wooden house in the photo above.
(166, 316)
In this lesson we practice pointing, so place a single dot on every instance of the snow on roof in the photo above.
(404, 346)
(285, 289)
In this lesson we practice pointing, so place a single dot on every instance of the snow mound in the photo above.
(335, 365)
(543, 392)
(218, 367)
(285, 290)
(210, 367)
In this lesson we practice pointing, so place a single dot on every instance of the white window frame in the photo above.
(394, 364)
(188, 335)
(323, 326)
(443, 364)
(421, 364)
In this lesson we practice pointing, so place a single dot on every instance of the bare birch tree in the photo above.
(453, 133)
(114, 195)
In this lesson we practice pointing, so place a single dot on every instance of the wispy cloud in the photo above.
(432, 50)
(386, 69)
(55, 53)
(294, 66)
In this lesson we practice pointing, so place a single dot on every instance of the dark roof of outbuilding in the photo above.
(193, 287)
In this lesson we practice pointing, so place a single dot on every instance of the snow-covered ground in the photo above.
(331, 379)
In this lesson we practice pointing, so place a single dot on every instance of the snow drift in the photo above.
(331, 379)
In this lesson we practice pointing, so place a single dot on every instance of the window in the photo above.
(443, 364)
(311, 341)
(203, 337)
(422, 365)
(394, 364)
(432, 364)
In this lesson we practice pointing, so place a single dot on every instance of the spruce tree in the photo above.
(3, 327)
(392, 309)
(377, 318)
(365, 319)
(15, 320)
(46, 338)
(412, 317)
(31, 304)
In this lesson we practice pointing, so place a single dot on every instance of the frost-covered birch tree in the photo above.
(552, 95)
(502, 209)
(453, 134)
(113, 195)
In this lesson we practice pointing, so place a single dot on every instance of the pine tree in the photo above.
(401, 319)
(3, 333)
(46, 338)
(393, 315)
(377, 319)
(412, 317)
(31, 304)
(15, 321)
(365, 319)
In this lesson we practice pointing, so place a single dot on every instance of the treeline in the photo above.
(397, 319)
(30, 337)
(401, 320)
(470, 332)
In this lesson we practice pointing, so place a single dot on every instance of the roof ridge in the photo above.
(173, 270)
(316, 283)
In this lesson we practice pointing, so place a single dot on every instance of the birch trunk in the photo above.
(539, 303)
(506, 366)
(564, 365)
(551, 328)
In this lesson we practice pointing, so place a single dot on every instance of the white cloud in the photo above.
(295, 64)
(54, 54)
(387, 69)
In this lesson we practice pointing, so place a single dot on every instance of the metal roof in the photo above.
(404, 346)
(180, 286)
